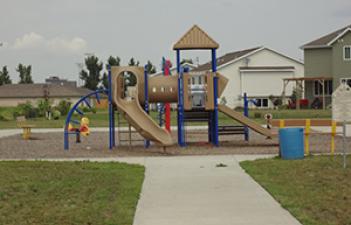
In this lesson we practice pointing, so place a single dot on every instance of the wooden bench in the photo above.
(231, 130)
(27, 128)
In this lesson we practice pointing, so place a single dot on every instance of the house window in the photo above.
(318, 88)
(262, 102)
(346, 81)
(347, 53)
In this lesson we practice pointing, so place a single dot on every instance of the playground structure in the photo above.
(195, 102)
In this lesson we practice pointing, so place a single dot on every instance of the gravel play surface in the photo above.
(50, 145)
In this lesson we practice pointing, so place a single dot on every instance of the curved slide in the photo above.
(244, 120)
(137, 117)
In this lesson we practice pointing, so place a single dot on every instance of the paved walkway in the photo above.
(193, 191)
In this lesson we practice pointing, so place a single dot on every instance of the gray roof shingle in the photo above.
(225, 59)
(38, 91)
(323, 41)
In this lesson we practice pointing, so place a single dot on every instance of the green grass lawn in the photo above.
(68, 193)
(316, 190)
(100, 119)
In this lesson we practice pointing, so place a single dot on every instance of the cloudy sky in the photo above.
(54, 35)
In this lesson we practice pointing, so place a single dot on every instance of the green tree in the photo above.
(111, 61)
(4, 76)
(131, 78)
(150, 68)
(24, 74)
(91, 76)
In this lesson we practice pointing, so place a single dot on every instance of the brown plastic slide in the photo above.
(134, 113)
(239, 117)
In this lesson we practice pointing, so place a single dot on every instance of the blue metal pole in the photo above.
(65, 140)
(246, 113)
(178, 61)
(110, 109)
(215, 96)
(146, 102)
(181, 134)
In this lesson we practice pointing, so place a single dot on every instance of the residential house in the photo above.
(14, 94)
(258, 72)
(327, 64)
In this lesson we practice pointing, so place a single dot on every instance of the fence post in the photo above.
(333, 133)
(281, 123)
(307, 134)
(344, 142)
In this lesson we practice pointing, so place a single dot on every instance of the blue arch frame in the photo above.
(76, 109)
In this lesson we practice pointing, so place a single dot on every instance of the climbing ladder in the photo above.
(126, 133)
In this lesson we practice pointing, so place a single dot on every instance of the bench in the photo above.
(231, 130)
(27, 128)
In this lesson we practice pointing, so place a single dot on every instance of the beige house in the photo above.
(258, 72)
(14, 94)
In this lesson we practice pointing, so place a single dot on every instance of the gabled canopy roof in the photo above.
(327, 40)
(196, 38)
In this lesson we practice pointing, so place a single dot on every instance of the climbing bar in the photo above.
(97, 96)
(87, 103)
(79, 111)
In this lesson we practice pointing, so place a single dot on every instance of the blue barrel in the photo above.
(291, 143)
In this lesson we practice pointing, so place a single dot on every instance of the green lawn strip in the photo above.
(68, 192)
(316, 190)
(100, 119)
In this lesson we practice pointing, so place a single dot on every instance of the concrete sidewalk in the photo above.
(193, 191)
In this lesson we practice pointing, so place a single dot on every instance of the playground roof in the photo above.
(38, 91)
(327, 40)
(196, 38)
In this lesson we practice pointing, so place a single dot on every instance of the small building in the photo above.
(14, 94)
(59, 81)
(259, 72)
(327, 65)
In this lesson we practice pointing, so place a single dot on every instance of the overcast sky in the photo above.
(54, 35)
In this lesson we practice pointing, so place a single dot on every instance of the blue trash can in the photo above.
(291, 143)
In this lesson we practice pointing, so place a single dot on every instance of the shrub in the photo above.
(43, 107)
(27, 110)
(63, 107)
(56, 114)
(6, 115)
(257, 115)
(84, 109)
